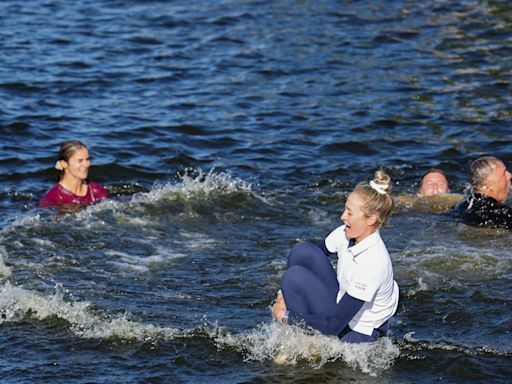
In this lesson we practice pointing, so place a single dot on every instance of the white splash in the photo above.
(289, 345)
(131, 263)
(421, 286)
(5, 271)
(24, 221)
(416, 344)
(266, 342)
(436, 263)
(200, 186)
(17, 303)
(196, 240)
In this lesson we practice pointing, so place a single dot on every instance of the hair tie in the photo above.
(58, 166)
(380, 188)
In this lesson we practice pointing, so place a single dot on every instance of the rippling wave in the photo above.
(264, 343)
(226, 132)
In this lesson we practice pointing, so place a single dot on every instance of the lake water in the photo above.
(227, 131)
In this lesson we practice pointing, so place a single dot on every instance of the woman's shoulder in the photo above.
(54, 189)
(52, 196)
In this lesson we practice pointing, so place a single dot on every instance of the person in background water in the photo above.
(356, 302)
(434, 182)
(73, 188)
(434, 194)
(490, 186)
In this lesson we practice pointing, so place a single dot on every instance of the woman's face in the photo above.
(78, 164)
(357, 225)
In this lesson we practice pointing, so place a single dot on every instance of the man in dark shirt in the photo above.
(484, 207)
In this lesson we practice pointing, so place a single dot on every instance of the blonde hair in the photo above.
(376, 197)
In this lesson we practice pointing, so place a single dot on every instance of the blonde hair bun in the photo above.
(381, 182)
(377, 200)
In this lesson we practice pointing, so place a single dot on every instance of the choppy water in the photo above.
(227, 131)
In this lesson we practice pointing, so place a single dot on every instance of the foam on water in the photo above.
(127, 218)
(5, 271)
(270, 340)
(24, 221)
(265, 342)
(456, 260)
(195, 240)
(134, 263)
(412, 344)
(166, 254)
(17, 303)
(198, 186)
(90, 213)
(420, 286)
(42, 242)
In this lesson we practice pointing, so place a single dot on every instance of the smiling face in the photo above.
(357, 225)
(78, 164)
(497, 183)
(434, 183)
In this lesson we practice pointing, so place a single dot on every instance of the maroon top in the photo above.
(59, 195)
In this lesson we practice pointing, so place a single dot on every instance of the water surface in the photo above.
(227, 131)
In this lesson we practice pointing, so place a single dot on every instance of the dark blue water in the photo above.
(227, 131)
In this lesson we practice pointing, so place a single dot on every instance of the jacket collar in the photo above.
(369, 242)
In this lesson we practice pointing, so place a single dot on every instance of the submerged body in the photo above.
(485, 206)
(484, 211)
(73, 188)
(443, 202)
(59, 195)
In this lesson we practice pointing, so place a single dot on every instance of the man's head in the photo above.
(489, 176)
(433, 183)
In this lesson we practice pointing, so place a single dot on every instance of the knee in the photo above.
(300, 252)
(293, 277)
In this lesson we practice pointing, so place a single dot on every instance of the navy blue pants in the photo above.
(310, 286)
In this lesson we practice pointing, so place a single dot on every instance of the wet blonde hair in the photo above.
(376, 197)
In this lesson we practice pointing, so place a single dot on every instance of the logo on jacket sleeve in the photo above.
(360, 286)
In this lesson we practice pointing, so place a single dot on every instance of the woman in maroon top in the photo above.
(73, 188)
